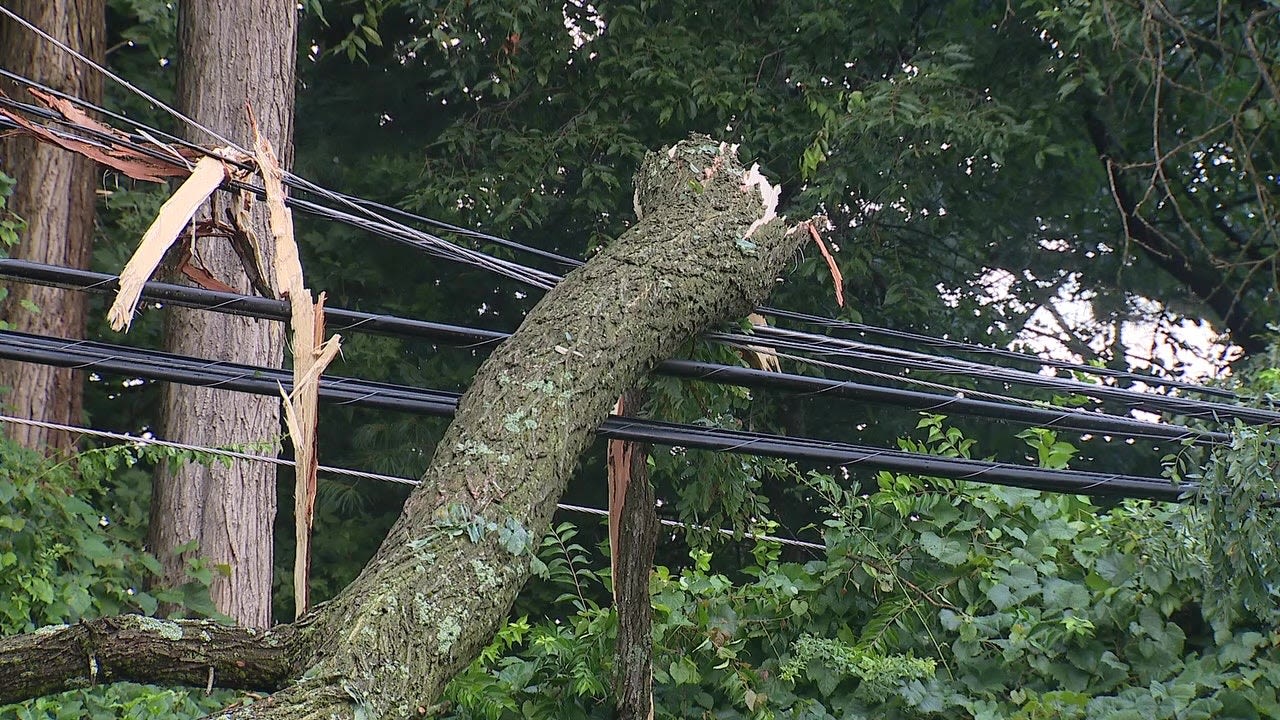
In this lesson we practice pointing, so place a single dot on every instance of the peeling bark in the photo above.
(446, 575)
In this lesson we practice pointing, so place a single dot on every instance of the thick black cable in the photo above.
(340, 320)
(106, 358)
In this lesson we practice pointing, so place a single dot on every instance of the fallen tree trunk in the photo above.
(142, 649)
(707, 248)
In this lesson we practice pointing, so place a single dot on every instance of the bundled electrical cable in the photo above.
(133, 362)
(366, 216)
(371, 217)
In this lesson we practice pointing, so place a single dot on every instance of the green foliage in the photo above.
(63, 558)
(10, 228)
(1239, 486)
(10, 224)
(933, 599)
(877, 675)
(70, 549)
(121, 701)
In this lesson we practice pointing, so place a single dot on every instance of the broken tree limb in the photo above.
(311, 355)
(445, 577)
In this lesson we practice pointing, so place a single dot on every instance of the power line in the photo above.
(478, 259)
(116, 78)
(364, 218)
(930, 341)
(823, 345)
(340, 320)
(360, 474)
(106, 358)
(157, 151)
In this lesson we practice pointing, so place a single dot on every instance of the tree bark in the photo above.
(632, 551)
(231, 52)
(447, 573)
(55, 196)
(143, 649)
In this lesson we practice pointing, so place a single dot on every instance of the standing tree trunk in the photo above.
(54, 196)
(231, 52)
(633, 538)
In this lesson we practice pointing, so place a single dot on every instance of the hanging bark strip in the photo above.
(118, 157)
(633, 537)
(311, 355)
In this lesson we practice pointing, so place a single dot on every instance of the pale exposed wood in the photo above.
(175, 215)
(311, 355)
(758, 356)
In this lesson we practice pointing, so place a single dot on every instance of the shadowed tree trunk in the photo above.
(446, 575)
(232, 52)
(54, 196)
(631, 550)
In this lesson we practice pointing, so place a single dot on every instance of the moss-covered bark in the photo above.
(449, 570)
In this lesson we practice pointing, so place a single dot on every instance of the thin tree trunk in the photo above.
(55, 196)
(632, 548)
(232, 52)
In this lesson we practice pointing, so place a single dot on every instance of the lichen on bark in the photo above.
(410, 622)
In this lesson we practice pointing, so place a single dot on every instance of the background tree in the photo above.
(230, 54)
(55, 198)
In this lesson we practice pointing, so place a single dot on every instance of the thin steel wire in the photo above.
(361, 474)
